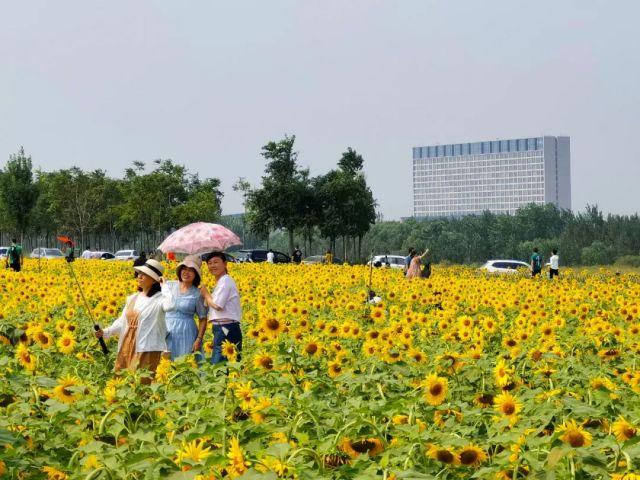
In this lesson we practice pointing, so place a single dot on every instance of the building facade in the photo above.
(498, 175)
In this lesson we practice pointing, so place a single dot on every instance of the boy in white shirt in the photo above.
(554, 264)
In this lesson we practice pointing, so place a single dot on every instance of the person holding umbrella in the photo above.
(225, 310)
(184, 337)
(142, 329)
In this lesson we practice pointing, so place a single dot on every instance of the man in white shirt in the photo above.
(87, 253)
(554, 264)
(270, 256)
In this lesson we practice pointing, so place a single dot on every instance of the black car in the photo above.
(256, 256)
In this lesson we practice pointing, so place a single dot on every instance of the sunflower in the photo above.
(263, 360)
(229, 351)
(237, 464)
(623, 430)
(574, 435)
(471, 456)
(335, 368)
(44, 339)
(194, 451)
(502, 373)
(311, 348)
(244, 392)
(91, 462)
(272, 326)
(371, 446)
(507, 405)
(435, 389)
(62, 391)
(54, 474)
(443, 455)
(484, 400)
(66, 343)
(26, 358)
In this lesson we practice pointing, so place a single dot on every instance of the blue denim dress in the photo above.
(181, 326)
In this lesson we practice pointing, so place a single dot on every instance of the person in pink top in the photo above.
(415, 270)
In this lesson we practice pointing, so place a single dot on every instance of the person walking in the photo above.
(415, 270)
(183, 335)
(554, 262)
(536, 263)
(15, 258)
(225, 311)
(86, 254)
(142, 329)
(69, 252)
(297, 255)
(271, 256)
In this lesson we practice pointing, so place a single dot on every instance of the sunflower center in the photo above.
(468, 457)
(435, 390)
(629, 432)
(362, 446)
(445, 456)
(509, 408)
(267, 363)
(575, 439)
(273, 324)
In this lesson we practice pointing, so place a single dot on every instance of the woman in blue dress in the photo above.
(184, 336)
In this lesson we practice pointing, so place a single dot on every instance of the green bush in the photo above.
(628, 261)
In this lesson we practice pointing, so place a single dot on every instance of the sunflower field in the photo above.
(459, 376)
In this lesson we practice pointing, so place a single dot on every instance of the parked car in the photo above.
(255, 256)
(504, 266)
(3, 252)
(318, 259)
(100, 255)
(394, 261)
(126, 255)
(46, 253)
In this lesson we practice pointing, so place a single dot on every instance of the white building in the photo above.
(499, 176)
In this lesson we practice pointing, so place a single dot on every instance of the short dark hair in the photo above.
(535, 249)
(196, 280)
(554, 251)
(14, 240)
(219, 255)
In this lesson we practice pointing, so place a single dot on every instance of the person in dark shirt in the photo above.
(14, 256)
(297, 255)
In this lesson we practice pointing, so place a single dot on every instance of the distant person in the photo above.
(426, 269)
(415, 268)
(271, 257)
(536, 263)
(554, 264)
(407, 259)
(87, 253)
(69, 252)
(14, 256)
(141, 260)
(297, 255)
(328, 257)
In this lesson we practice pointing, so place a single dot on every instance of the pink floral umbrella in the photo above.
(198, 238)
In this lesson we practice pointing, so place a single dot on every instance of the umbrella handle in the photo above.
(105, 350)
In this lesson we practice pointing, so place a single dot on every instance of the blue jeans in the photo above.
(234, 335)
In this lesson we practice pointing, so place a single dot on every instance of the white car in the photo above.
(47, 253)
(504, 266)
(101, 255)
(126, 255)
(394, 261)
(3, 252)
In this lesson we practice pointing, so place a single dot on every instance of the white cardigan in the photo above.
(152, 328)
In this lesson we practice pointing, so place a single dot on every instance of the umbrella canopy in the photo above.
(65, 239)
(198, 238)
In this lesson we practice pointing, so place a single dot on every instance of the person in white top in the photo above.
(141, 329)
(554, 262)
(271, 256)
(86, 254)
(225, 310)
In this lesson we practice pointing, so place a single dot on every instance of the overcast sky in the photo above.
(100, 84)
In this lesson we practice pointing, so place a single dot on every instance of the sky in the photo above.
(100, 84)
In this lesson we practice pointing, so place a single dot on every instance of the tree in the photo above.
(18, 191)
(278, 203)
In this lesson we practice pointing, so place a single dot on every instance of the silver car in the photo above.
(47, 253)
